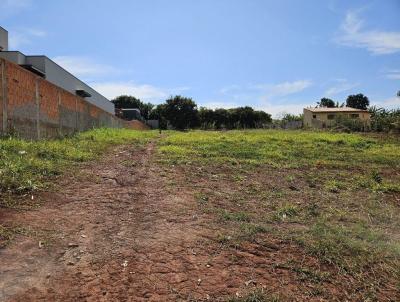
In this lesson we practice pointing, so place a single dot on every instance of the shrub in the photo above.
(383, 120)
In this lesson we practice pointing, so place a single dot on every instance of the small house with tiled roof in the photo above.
(322, 117)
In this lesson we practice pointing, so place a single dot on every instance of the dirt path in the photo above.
(115, 232)
(124, 229)
(115, 237)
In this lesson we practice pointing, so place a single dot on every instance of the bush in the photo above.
(235, 118)
(344, 123)
(383, 120)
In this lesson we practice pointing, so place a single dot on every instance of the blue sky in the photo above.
(278, 56)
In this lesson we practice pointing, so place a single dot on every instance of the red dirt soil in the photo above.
(117, 232)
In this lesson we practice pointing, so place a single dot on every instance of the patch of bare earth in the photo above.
(125, 229)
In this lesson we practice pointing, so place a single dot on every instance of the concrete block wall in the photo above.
(34, 108)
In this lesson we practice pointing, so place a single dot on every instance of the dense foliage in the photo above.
(235, 118)
(287, 117)
(385, 120)
(358, 101)
(128, 101)
(181, 112)
(325, 102)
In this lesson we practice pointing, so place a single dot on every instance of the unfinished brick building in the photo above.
(39, 99)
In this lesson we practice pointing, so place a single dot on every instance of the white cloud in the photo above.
(391, 102)
(145, 92)
(342, 85)
(24, 36)
(393, 74)
(34, 32)
(229, 89)
(10, 7)
(268, 97)
(278, 110)
(215, 104)
(84, 67)
(287, 88)
(280, 89)
(96, 73)
(284, 89)
(375, 41)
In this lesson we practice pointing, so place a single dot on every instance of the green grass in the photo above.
(6, 235)
(335, 195)
(280, 148)
(286, 211)
(236, 216)
(353, 248)
(26, 166)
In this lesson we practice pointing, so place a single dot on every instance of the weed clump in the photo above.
(26, 166)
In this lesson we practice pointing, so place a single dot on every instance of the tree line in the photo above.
(183, 113)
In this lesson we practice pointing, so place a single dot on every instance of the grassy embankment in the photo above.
(28, 166)
(337, 196)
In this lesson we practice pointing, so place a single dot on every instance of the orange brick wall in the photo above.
(21, 100)
(48, 100)
(2, 75)
(36, 108)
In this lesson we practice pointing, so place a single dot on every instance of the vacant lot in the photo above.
(201, 216)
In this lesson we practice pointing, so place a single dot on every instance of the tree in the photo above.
(207, 118)
(158, 113)
(181, 112)
(398, 93)
(242, 117)
(221, 117)
(262, 118)
(325, 102)
(128, 101)
(358, 101)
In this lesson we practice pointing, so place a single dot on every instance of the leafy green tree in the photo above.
(241, 117)
(358, 101)
(262, 118)
(207, 118)
(158, 113)
(128, 101)
(181, 112)
(221, 117)
(325, 102)
(247, 117)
